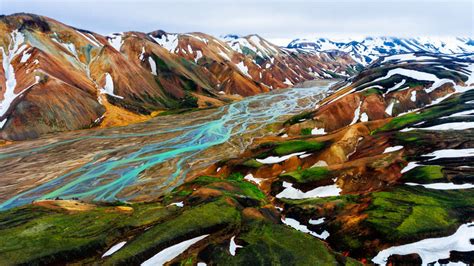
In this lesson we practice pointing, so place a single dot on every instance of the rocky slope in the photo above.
(56, 77)
(381, 171)
(369, 49)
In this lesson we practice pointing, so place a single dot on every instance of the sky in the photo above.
(279, 21)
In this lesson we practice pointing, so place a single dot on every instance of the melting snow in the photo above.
(392, 149)
(418, 75)
(25, 56)
(320, 192)
(406, 57)
(443, 186)
(142, 53)
(277, 159)
(303, 228)
(288, 82)
(169, 42)
(93, 40)
(396, 87)
(255, 180)
(152, 65)
(172, 252)
(451, 126)
(224, 55)
(451, 153)
(109, 86)
(317, 221)
(114, 249)
(15, 48)
(178, 204)
(233, 246)
(198, 56)
(243, 68)
(318, 131)
(389, 108)
(413, 96)
(463, 113)
(116, 41)
(356, 114)
(433, 249)
(409, 166)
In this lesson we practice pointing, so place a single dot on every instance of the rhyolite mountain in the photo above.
(368, 49)
(382, 163)
(55, 77)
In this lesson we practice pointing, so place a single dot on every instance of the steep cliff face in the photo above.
(55, 77)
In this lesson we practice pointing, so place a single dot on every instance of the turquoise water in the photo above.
(104, 179)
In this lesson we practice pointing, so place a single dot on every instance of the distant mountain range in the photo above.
(368, 49)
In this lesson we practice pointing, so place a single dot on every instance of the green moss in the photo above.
(160, 63)
(407, 211)
(308, 174)
(197, 221)
(370, 91)
(295, 119)
(306, 131)
(242, 187)
(236, 177)
(444, 108)
(293, 146)
(33, 234)
(338, 201)
(424, 174)
(189, 101)
(273, 244)
(252, 163)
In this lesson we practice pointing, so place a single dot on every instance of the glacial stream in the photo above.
(142, 161)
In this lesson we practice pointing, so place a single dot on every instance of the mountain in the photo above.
(379, 172)
(57, 78)
(369, 49)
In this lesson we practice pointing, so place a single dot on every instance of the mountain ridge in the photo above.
(141, 74)
(366, 50)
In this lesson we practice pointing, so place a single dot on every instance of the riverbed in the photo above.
(142, 161)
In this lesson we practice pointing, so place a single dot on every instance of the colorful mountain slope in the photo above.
(57, 78)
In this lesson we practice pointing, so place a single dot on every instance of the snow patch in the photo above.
(443, 186)
(116, 41)
(169, 42)
(318, 131)
(317, 221)
(279, 159)
(320, 192)
(172, 252)
(233, 246)
(255, 180)
(178, 204)
(392, 149)
(451, 126)
(109, 86)
(152, 63)
(114, 249)
(433, 249)
(413, 96)
(243, 68)
(303, 228)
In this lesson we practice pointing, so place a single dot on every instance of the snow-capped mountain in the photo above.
(370, 48)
